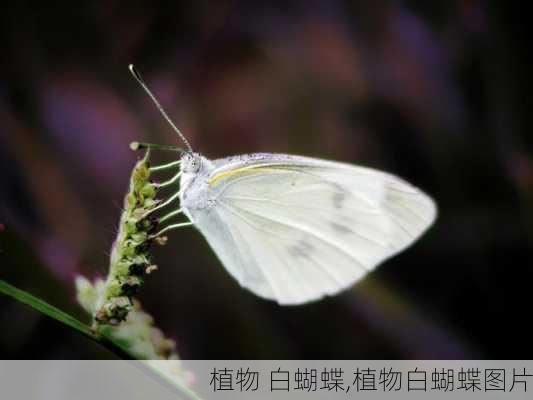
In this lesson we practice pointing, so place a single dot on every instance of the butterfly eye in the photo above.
(191, 163)
(195, 164)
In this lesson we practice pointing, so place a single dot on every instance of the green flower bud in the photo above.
(148, 191)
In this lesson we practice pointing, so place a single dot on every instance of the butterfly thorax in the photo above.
(193, 182)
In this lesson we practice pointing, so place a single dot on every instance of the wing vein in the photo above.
(281, 203)
(297, 227)
(267, 277)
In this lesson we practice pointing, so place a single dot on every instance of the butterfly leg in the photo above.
(170, 228)
(165, 166)
(169, 182)
(141, 145)
(170, 215)
(164, 204)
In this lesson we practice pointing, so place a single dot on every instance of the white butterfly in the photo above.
(295, 229)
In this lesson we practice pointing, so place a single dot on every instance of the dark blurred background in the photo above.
(436, 92)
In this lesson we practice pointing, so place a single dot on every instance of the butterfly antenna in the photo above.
(140, 80)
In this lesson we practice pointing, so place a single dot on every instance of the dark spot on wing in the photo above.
(338, 199)
(339, 195)
(343, 230)
(301, 249)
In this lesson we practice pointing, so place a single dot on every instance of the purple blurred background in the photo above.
(436, 92)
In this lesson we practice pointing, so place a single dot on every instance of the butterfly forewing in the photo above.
(294, 229)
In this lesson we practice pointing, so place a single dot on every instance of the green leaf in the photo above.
(45, 308)
(67, 319)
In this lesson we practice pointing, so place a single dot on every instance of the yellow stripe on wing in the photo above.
(243, 171)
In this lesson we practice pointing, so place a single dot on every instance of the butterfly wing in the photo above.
(294, 229)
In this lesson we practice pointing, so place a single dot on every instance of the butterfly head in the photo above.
(194, 163)
(191, 163)
(193, 182)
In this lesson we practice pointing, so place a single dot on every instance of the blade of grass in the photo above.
(45, 308)
(55, 313)
(102, 339)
